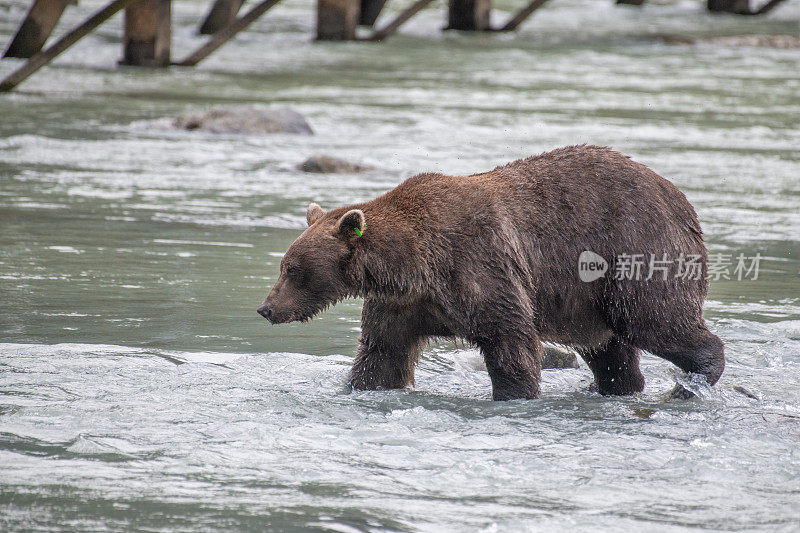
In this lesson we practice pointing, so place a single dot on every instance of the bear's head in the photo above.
(316, 270)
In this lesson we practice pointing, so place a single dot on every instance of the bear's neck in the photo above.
(388, 263)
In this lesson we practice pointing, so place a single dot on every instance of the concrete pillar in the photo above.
(370, 9)
(337, 19)
(147, 34)
(471, 15)
(729, 6)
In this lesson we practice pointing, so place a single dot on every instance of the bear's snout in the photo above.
(266, 311)
(276, 311)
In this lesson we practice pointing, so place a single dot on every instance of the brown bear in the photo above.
(493, 258)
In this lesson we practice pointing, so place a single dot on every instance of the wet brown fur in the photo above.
(493, 258)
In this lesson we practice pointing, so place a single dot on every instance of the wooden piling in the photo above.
(226, 33)
(728, 6)
(522, 15)
(42, 58)
(148, 34)
(401, 19)
(741, 7)
(766, 8)
(337, 19)
(370, 9)
(469, 15)
(36, 28)
(222, 13)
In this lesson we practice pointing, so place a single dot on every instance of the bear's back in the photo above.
(566, 193)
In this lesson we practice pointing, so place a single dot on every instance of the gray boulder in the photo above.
(245, 119)
(559, 358)
(325, 164)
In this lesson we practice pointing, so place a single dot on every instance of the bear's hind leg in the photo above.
(615, 366)
(694, 350)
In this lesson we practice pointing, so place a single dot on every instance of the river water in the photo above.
(139, 389)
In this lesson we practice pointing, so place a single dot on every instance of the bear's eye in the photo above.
(293, 272)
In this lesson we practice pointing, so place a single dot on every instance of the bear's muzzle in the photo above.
(265, 311)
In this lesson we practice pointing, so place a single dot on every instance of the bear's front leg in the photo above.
(389, 348)
(514, 365)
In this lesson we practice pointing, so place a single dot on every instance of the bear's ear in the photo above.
(313, 213)
(352, 224)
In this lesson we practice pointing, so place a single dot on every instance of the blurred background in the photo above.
(139, 389)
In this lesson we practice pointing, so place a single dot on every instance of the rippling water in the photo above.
(139, 389)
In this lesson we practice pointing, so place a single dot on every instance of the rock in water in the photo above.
(643, 412)
(746, 392)
(245, 119)
(559, 358)
(679, 392)
(325, 164)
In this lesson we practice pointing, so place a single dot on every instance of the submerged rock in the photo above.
(559, 358)
(750, 394)
(643, 412)
(679, 392)
(325, 164)
(761, 41)
(245, 119)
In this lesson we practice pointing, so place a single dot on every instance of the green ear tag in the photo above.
(358, 231)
